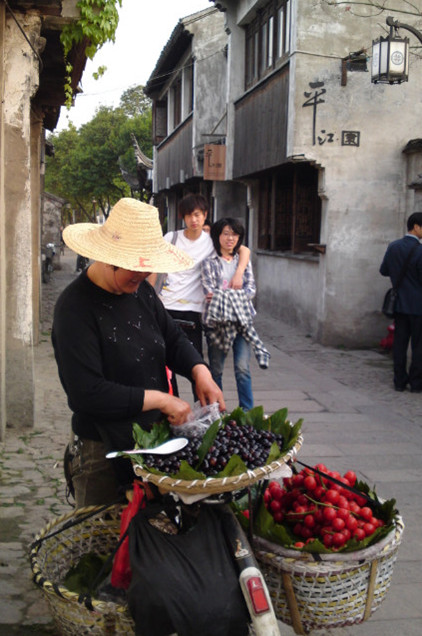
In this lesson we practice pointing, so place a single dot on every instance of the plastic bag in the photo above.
(121, 573)
(198, 421)
(186, 582)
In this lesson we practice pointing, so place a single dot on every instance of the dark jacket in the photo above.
(409, 300)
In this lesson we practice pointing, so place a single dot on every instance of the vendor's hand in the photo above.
(206, 389)
(237, 281)
(208, 297)
(175, 409)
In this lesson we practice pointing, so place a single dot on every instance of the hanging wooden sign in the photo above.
(214, 162)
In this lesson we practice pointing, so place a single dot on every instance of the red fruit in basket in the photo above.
(366, 513)
(309, 521)
(351, 477)
(287, 481)
(278, 494)
(351, 523)
(342, 502)
(329, 514)
(347, 533)
(274, 486)
(361, 501)
(338, 524)
(321, 467)
(246, 513)
(296, 492)
(278, 516)
(354, 507)
(339, 539)
(297, 480)
(297, 529)
(275, 506)
(332, 496)
(299, 544)
(327, 540)
(267, 496)
(318, 515)
(306, 532)
(359, 534)
(319, 492)
(310, 482)
(369, 528)
(343, 513)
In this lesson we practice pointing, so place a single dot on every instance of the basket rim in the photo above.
(387, 544)
(214, 485)
(58, 589)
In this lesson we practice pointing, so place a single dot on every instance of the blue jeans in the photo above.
(241, 358)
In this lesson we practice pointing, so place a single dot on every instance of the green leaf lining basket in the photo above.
(337, 590)
(60, 546)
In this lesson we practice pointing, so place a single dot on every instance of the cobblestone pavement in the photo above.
(353, 418)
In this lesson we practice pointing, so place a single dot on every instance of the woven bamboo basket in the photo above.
(215, 485)
(52, 557)
(338, 590)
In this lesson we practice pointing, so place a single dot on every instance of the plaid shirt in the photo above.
(212, 279)
(230, 311)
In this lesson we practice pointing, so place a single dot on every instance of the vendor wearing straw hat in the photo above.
(113, 339)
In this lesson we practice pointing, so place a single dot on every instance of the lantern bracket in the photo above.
(407, 27)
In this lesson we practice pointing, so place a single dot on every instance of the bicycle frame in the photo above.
(251, 579)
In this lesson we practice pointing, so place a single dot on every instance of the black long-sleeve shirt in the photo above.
(109, 349)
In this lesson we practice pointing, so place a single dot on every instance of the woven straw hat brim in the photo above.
(130, 238)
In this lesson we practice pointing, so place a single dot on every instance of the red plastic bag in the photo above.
(121, 572)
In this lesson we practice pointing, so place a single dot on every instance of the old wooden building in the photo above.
(320, 163)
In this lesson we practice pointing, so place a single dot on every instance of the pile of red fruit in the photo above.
(315, 507)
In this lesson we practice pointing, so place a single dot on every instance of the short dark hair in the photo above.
(218, 227)
(414, 219)
(192, 202)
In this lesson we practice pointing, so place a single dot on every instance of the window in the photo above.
(176, 90)
(289, 209)
(160, 120)
(267, 40)
(181, 95)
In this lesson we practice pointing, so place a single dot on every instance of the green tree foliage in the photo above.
(97, 24)
(87, 163)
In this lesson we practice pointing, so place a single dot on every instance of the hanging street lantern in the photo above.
(390, 55)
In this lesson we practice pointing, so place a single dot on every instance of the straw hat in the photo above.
(130, 238)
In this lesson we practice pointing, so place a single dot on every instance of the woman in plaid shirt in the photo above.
(229, 313)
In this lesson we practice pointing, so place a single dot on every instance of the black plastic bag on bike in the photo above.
(186, 582)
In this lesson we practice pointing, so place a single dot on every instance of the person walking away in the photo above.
(408, 313)
(182, 293)
(229, 313)
(112, 341)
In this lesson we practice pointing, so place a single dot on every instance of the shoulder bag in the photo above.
(161, 278)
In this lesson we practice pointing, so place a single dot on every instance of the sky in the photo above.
(144, 29)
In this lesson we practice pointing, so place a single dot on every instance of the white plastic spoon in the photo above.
(171, 446)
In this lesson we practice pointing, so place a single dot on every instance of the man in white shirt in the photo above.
(182, 293)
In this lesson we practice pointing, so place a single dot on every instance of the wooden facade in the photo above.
(262, 112)
(174, 157)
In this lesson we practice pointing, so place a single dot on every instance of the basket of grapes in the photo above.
(237, 450)
(326, 545)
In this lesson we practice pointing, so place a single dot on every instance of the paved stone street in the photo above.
(352, 420)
